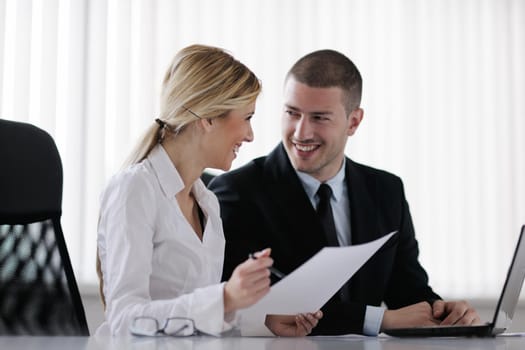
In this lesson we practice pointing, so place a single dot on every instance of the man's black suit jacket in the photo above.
(263, 204)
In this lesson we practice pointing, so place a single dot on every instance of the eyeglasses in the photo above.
(174, 327)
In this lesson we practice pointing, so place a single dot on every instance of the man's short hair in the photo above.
(329, 68)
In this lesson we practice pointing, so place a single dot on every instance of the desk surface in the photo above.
(237, 343)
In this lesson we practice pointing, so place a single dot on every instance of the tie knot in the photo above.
(324, 192)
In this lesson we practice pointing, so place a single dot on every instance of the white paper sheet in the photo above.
(309, 286)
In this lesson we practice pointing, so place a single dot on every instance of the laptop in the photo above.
(504, 310)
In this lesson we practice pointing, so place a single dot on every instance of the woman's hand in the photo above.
(250, 281)
(293, 326)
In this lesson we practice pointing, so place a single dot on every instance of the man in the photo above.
(272, 202)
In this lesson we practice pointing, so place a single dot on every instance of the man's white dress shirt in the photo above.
(153, 262)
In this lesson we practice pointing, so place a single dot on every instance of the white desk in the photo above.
(236, 343)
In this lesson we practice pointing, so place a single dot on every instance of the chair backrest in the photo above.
(38, 291)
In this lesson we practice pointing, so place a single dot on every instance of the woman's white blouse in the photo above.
(152, 261)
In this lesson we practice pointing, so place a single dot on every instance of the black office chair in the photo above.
(38, 291)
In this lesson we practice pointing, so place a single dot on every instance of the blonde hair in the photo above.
(201, 82)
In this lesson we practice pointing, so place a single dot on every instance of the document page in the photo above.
(309, 286)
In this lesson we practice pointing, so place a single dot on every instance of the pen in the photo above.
(272, 269)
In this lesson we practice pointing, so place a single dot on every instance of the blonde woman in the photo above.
(160, 238)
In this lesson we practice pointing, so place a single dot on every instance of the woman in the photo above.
(160, 238)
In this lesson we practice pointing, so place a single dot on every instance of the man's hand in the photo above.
(455, 313)
(293, 326)
(419, 314)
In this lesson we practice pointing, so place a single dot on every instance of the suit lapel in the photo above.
(363, 220)
(363, 211)
(288, 195)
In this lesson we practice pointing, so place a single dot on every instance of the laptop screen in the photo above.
(512, 288)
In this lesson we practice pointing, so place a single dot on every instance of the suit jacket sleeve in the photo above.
(408, 283)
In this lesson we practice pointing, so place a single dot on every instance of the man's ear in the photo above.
(355, 118)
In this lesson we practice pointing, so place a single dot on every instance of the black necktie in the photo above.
(326, 216)
(324, 210)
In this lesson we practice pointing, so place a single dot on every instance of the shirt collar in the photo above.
(311, 184)
(168, 176)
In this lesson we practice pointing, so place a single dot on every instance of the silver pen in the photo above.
(272, 269)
